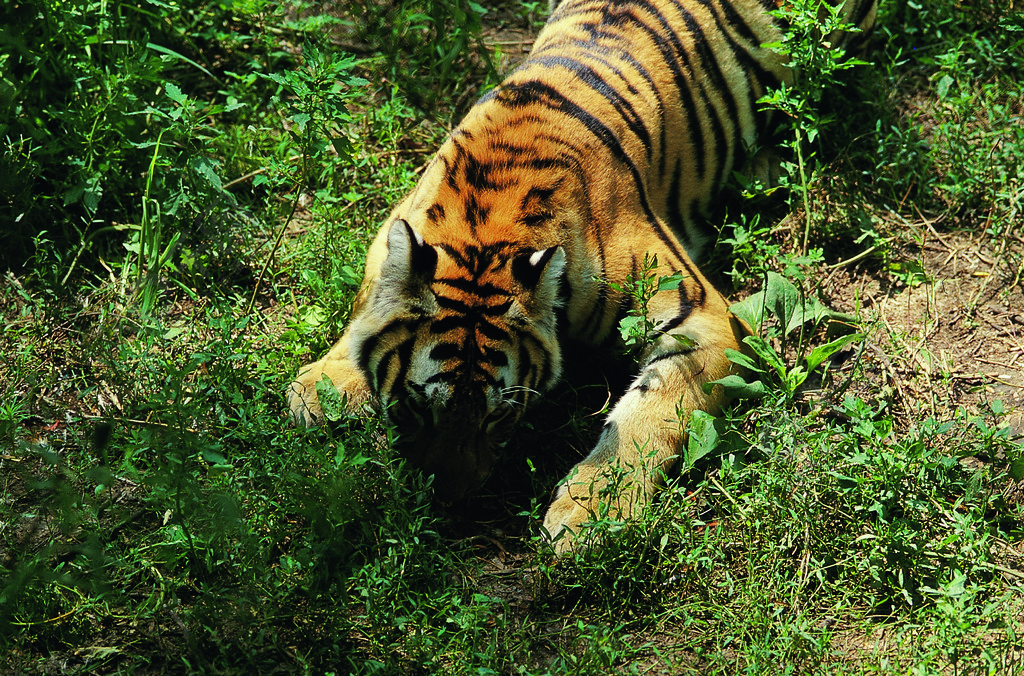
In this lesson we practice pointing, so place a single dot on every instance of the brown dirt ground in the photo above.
(956, 341)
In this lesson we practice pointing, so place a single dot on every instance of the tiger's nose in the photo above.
(459, 470)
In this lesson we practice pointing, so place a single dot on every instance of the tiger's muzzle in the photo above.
(455, 450)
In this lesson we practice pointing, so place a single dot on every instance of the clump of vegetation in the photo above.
(190, 188)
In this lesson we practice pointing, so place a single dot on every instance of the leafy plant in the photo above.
(319, 95)
(158, 514)
(811, 25)
(636, 328)
(425, 47)
(780, 310)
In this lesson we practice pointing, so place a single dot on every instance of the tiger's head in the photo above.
(454, 343)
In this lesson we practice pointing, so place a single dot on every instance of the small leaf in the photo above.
(766, 353)
(957, 585)
(341, 146)
(332, 403)
(670, 282)
(214, 457)
(943, 87)
(175, 94)
(1017, 469)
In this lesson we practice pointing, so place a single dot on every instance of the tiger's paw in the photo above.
(582, 500)
(304, 402)
(564, 521)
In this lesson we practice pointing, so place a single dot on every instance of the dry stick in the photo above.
(273, 250)
(731, 499)
(246, 177)
(136, 421)
(853, 259)
(240, 179)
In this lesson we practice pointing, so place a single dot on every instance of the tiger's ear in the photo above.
(410, 260)
(530, 269)
(539, 272)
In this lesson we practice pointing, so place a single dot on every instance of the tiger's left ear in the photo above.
(539, 272)
(410, 261)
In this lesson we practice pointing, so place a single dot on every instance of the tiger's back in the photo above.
(606, 146)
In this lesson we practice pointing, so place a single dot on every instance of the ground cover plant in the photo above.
(186, 192)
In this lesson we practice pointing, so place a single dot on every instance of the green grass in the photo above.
(193, 199)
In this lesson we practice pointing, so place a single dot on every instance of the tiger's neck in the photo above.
(501, 177)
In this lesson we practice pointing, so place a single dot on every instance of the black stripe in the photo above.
(479, 175)
(757, 73)
(402, 354)
(492, 331)
(540, 364)
(669, 355)
(495, 357)
(453, 304)
(450, 323)
(469, 286)
(452, 169)
(435, 213)
(370, 344)
(627, 58)
(495, 310)
(535, 92)
(712, 70)
(446, 351)
(672, 50)
(476, 213)
(442, 376)
(592, 79)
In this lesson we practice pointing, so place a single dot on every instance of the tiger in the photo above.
(605, 148)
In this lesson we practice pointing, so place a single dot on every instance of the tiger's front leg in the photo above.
(645, 431)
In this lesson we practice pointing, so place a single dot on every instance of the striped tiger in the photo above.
(606, 146)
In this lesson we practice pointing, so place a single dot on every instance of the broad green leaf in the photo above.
(740, 359)
(750, 310)
(823, 352)
(808, 311)
(781, 299)
(766, 353)
(736, 387)
(703, 437)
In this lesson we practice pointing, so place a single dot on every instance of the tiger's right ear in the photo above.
(410, 260)
(540, 272)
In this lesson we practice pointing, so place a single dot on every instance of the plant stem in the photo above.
(804, 192)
